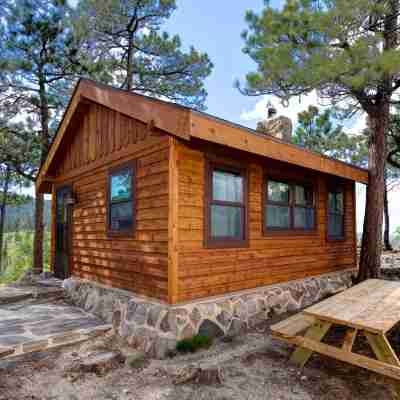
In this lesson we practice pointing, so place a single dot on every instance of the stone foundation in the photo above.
(390, 260)
(155, 328)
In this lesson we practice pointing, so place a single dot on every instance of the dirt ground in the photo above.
(253, 367)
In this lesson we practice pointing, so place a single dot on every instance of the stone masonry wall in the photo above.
(390, 260)
(155, 328)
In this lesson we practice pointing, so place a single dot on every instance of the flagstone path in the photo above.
(34, 318)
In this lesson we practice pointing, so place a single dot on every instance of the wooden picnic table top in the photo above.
(373, 305)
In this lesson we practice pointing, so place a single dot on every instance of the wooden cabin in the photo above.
(177, 205)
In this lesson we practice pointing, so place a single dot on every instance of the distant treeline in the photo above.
(21, 218)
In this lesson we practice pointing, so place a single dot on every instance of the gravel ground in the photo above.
(253, 366)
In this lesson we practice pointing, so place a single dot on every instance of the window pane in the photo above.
(331, 201)
(121, 185)
(339, 202)
(226, 222)
(278, 191)
(121, 216)
(277, 217)
(303, 218)
(303, 196)
(227, 186)
(335, 201)
(335, 225)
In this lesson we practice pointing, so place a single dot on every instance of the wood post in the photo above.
(384, 352)
(173, 223)
(315, 333)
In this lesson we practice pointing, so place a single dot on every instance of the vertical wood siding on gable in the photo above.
(268, 259)
(104, 139)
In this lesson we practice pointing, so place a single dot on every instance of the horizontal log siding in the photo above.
(268, 259)
(105, 139)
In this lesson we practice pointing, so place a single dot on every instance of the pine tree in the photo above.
(124, 38)
(39, 58)
(317, 131)
(348, 52)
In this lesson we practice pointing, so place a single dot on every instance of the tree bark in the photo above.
(386, 233)
(3, 205)
(39, 203)
(39, 229)
(378, 114)
(371, 247)
(129, 65)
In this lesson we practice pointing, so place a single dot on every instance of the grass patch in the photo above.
(193, 344)
(18, 255)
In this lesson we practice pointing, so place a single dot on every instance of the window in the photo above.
(226, 218)
(336, 213)
(121, 202)
(288, 206)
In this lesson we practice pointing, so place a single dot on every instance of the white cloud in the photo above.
(356, 125)
(72, 3)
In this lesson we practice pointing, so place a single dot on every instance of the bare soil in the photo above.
(253, 367)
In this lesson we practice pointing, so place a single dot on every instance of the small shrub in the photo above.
(193, 344)
(137, 361)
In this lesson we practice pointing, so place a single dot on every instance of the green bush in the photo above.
(193, 344)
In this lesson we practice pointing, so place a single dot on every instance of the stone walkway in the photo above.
(36, 317)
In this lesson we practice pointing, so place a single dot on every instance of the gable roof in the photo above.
(185, 123)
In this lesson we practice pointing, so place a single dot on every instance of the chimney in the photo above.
(280, 127)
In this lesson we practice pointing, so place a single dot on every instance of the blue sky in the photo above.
(215, 27)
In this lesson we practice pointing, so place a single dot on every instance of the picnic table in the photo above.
(371, 308)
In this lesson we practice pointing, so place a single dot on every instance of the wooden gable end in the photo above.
(97, 136)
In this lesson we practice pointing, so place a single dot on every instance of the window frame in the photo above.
(112, 172)
(224, 242)
(336, 187)
(292, 183)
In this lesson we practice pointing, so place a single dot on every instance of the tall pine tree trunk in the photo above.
(3, 205)
(371, 246)
(38, 238)
(39, 203)
(129, 65)
(386, 233)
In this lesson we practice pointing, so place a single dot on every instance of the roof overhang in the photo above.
(185, 123)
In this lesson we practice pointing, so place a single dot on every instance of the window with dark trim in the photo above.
(288, 206)
(121, 199)
(335, 213)
(226, 222)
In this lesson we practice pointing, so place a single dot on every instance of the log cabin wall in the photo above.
(103, 139)
(268, 259)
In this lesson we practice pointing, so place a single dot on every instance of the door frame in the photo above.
(59, 271)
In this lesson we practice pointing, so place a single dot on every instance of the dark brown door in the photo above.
(63, 221)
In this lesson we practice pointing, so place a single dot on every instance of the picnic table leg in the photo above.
(349, 339)
(384, 352)
(316, 332)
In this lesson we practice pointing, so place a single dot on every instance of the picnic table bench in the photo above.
(371, 308)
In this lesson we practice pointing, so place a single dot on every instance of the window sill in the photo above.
(335, 239)
(127, 234)
(226, 244)
(290, 232)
